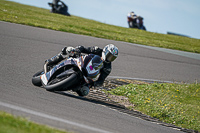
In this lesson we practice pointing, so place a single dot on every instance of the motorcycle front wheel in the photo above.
(56, 85)
(36, 78)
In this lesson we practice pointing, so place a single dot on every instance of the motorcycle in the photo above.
(136, 22)
(59, 8)
(76, 74)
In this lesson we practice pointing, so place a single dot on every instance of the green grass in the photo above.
(12, 124)
(28, 15)
(178, 104)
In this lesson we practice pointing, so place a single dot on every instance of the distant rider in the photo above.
(140, 23)
(132, 20)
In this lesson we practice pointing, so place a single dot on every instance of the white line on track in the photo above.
(51, 117)
(171, 51)
(141, 79)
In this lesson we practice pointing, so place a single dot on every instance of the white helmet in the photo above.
(110, 53)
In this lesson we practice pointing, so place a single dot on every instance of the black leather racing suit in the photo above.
(105, 71)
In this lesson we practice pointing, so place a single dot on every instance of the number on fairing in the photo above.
(90, 68)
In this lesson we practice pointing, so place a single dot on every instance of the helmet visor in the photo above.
(110, 57)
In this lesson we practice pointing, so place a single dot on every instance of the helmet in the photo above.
(110, 53)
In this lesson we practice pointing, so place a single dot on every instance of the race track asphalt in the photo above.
(24, 49)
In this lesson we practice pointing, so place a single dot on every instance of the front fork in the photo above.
(45, 68)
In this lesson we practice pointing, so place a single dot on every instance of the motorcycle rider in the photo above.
(109, 53)
(140, 23)
(132, 18)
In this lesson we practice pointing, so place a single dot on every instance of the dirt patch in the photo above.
(121, 100)
(114, 83)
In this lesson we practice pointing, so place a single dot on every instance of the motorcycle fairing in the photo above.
(46, 77)
(90, 63)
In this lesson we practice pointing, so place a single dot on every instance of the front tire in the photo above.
(62, 85)
(36, 78)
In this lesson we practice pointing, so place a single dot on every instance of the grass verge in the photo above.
(12, 124)
(177, 104)
(33, 16)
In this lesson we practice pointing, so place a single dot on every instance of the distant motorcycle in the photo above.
(136, 22)
(59, 8)
(75, 74)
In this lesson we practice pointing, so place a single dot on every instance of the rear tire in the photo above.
(62, 85)
(36, 78)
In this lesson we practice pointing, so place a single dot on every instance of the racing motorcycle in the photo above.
(60, 7)
(76, 74)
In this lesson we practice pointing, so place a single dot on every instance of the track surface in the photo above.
(23, 50)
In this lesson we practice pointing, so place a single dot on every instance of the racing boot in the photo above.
(83, 91)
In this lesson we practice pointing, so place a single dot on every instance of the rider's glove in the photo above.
(70, 51)
(96, 49)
